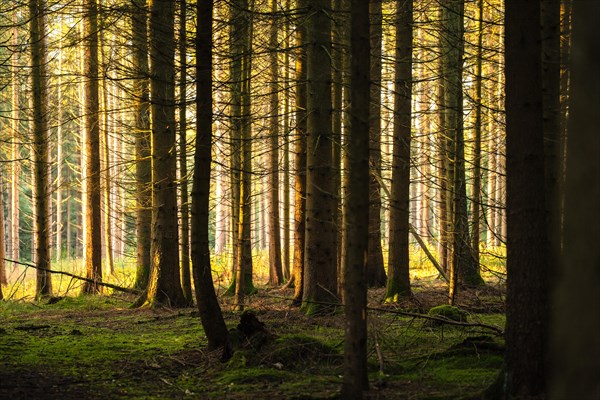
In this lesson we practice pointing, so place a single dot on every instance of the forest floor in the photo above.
(100, 348)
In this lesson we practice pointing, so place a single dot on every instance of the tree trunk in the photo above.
(575, 345)
(398, 283)
(59, 156)
(93, 229)
(375, 272)
(356, 207)
(337, 63)
(3, 277)
(320, 275)
(15, 166)
(463, 266)
(165, 284)
(245, 213)
(300, 157)
(275, 267)
(143, 160)
(286, 153)
(37, 10)
(206, 299)
(106, 167)
(242, 152)
(476, 201)
(186, 281)
(527, 308)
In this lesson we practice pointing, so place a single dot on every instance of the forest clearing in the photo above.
(98, 347)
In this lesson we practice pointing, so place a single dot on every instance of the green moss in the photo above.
(253, 375)
(448, 312)
(296, 349)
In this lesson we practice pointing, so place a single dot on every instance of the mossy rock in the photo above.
(295, 349)
(447, 312)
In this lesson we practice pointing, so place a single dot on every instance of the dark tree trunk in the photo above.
(186, 282)
(575, 344)
(398, 283)
(527, 309)
(320, 274)
(375, 271)
(356, 208)
(208, 305)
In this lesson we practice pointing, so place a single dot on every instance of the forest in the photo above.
(299, 199)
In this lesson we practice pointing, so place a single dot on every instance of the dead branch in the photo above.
(108, 285)
(442, 320)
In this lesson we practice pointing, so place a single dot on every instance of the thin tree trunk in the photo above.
(15, 166)
(398, 284)
(107, 167)
(245, 210)
(476, 202)
(3, 277)
(375, 272)
(93, 238)
(300, 157)
(275, 267)
(59, 155)
(37, 10)
(237, 33)
(463, 266)
(186, 281)
(337, 65)
(143, 160)
(206, 299)
(286, 154)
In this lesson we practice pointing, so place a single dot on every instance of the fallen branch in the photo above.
(108, 285)
(437, 266)
(420, 240)
(494, 328)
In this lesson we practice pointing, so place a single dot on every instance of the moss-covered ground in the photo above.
(100, 348)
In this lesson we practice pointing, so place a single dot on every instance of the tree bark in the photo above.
(15, 166)
(527, 308)
(143, 160)
(320, 275)
(186, 281)
(576, 327)
(356, 207)
(300, 157)
(275, 266)
(93, 229)
(375, 271)
(206, 299)
(39, 74)
(165, 284)
(398, 283)
(3, 277)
